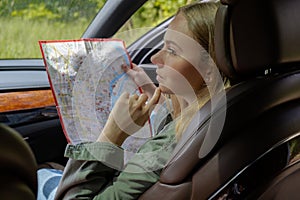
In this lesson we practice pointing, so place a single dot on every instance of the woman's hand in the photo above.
(129, 114)
(140, 78)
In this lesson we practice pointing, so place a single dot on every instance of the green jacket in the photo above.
(96, 171)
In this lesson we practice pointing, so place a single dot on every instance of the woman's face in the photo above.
(177, 71)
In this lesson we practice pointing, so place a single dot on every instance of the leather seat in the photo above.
(17, 166)
(285, 185)
(257, 46)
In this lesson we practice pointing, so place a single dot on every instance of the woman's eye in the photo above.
(171, 51)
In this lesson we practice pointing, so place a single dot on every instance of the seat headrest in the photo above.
(254, 35)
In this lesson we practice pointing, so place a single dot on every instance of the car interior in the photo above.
(255, 155)
(17, 166)
(257, 46)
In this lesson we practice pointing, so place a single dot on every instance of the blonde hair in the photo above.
(201, 22)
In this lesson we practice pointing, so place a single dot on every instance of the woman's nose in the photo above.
(157, 59)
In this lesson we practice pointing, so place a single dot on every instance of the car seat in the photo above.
(250, 154)
(17, 166)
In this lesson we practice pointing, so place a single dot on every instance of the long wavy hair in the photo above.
(201, 22)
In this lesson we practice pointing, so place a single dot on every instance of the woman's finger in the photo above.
(131, 73)
(142, 100)
(134, 66)
(135, 97)
(125, 68)
(124, 95)
(154, 100)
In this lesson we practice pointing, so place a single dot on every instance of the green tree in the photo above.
(64, 10)
(154, 11)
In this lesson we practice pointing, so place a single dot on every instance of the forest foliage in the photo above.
(25, 22)
(73, 10)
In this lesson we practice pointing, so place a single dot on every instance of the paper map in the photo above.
(86, 79)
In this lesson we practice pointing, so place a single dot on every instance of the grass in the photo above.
(19, 38)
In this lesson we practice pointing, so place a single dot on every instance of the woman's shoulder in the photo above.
(154, 154)
(164, 140)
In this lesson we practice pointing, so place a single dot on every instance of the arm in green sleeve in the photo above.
(100, 175)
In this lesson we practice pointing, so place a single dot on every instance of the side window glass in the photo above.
(152, 13)
(25, 22)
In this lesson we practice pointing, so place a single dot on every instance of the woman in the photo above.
(185, 71)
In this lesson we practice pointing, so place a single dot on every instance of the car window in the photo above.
(25, 22)
(152, 13)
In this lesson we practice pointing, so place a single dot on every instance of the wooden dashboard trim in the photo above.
(23, 100)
